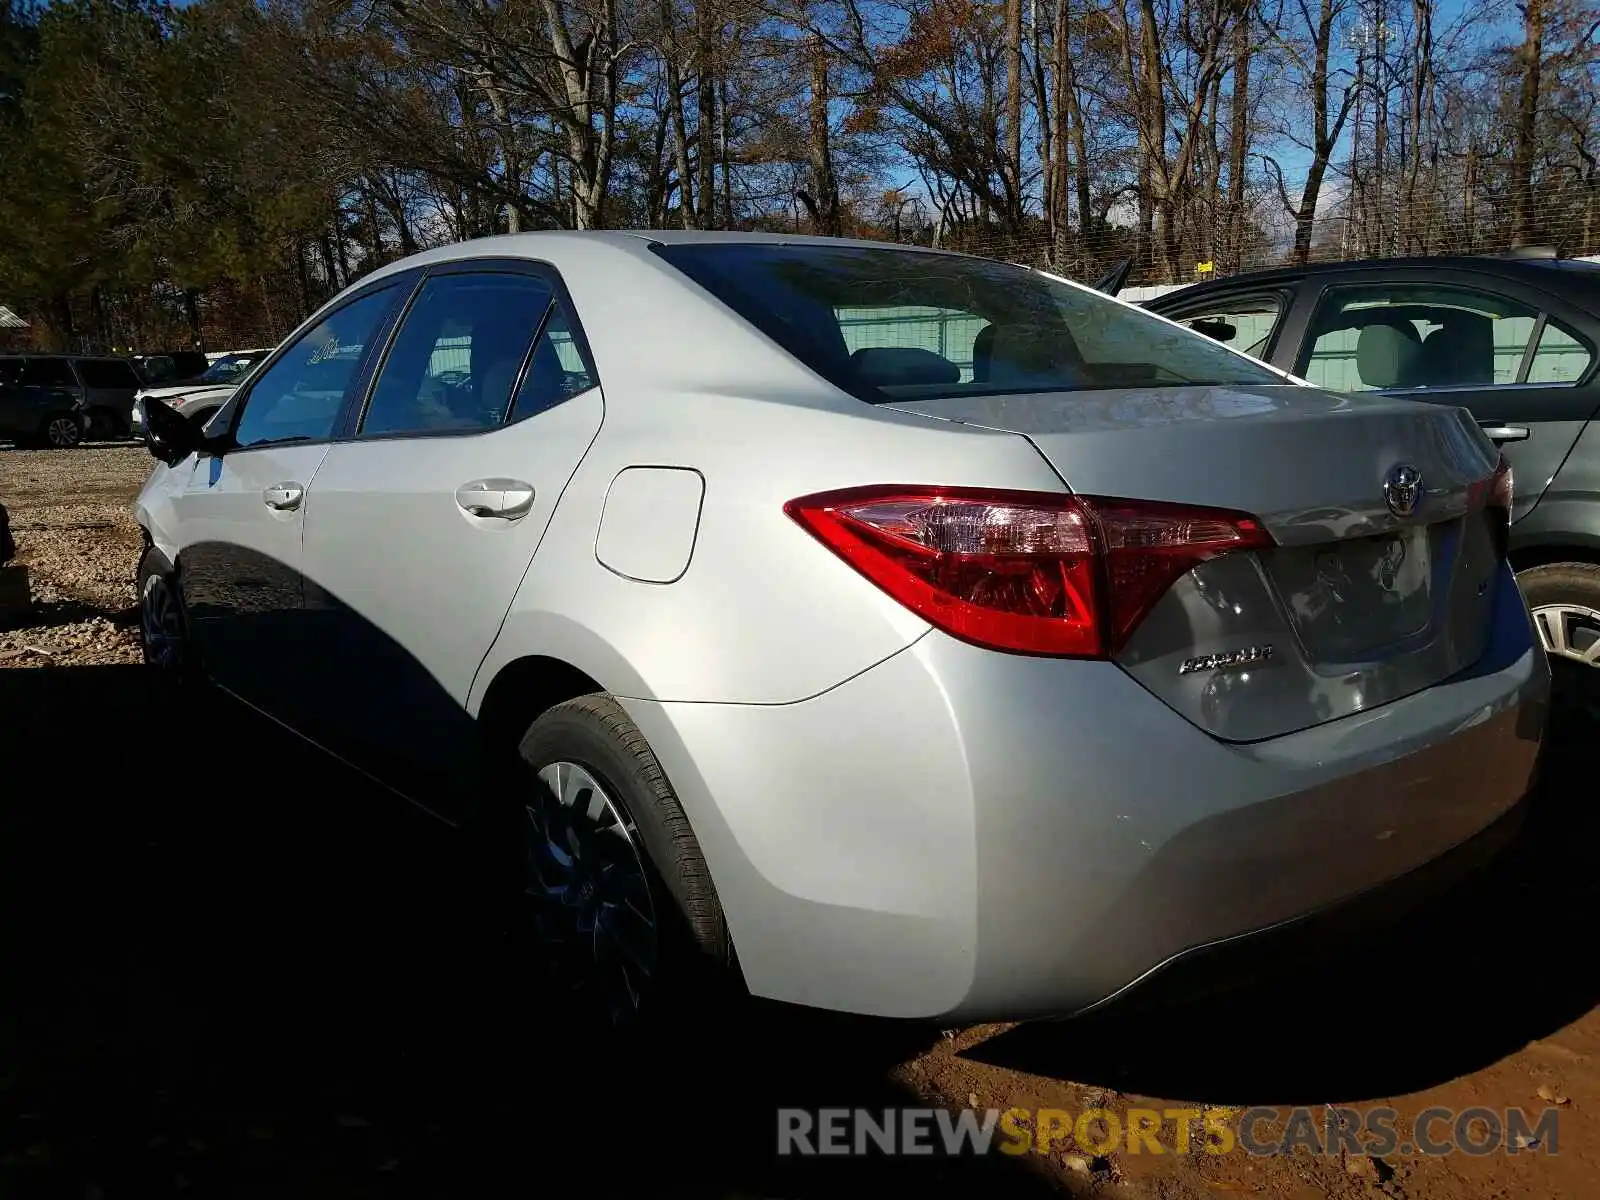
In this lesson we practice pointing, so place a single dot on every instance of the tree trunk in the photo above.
(1057, 173)
(1530, 58)
(680, 125)
(1014, 108)
(706, 87)
(1238, 140)
(191, 313)
(822, 203)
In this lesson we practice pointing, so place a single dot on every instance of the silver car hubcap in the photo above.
(161, 624)
(1570, 634)
(62, 432)
(590, 896)
(1569, 631)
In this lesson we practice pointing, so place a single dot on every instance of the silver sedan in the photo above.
(949, 640)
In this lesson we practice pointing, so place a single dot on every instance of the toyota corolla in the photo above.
(887, 630)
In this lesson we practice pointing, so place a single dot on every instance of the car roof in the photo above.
(1529, 269)
(536, 245)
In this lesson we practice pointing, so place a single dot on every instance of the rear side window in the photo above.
(1560, 357)
(106, 373)
(458, 355)
(48, 372)
(1243, 324)
(558, 369)
(886, 324)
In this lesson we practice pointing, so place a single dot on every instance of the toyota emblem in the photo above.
(1402, 489)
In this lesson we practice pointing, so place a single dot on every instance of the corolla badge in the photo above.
(1249, 656)
(1402, 489)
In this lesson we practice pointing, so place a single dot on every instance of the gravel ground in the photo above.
(77, 537)
(233, 969)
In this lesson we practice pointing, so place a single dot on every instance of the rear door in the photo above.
(1516, 358)
(48, 383)
(422, 521)
(110, 386)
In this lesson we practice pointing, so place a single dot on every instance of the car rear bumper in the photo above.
(1317, 937)
(967, 835)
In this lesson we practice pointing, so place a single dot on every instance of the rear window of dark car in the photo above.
(887, 324)
(107, 373)
(190, 364)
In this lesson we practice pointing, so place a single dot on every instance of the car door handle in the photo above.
(1506, 433)
(507, 499)
(285, 497)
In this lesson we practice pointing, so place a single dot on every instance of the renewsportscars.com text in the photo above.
(1376, 1131)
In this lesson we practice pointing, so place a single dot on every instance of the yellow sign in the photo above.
(1205, 268)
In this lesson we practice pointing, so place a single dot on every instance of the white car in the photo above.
(205, 393)
(944, 638)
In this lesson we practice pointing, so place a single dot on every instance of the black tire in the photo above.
(694, 962)
(1565, 601)
(172, 654)
(61, 431)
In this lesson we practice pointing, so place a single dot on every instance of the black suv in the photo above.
(58, 399)
(1513, 339)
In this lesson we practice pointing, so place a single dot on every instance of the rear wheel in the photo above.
(1565, 601)
(613, 885)
(61, 431)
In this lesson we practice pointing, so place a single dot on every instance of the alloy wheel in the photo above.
(63, 433)
(1570, 631)
(588, 892)
(1570, 634)
(161, 624)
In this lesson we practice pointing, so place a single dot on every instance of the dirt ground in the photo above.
(230, 968)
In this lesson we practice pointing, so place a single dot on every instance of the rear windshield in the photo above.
(899, 324)
(230, 367)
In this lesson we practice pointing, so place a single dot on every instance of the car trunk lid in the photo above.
(1356, 604)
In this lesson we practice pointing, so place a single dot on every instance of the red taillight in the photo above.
(1495, 495)
(1031, 572)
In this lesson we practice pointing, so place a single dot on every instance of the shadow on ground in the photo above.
(52, 614)
(233, 969)
(1502, 960)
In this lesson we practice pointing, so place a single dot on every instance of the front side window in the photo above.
(299, 397)
(48, 372)
(891, 324)
(458, 355)
(1391, 337)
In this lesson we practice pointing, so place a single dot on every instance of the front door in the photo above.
(420, 526)
(242, 511)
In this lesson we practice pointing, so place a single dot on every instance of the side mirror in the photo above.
(169, 435)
